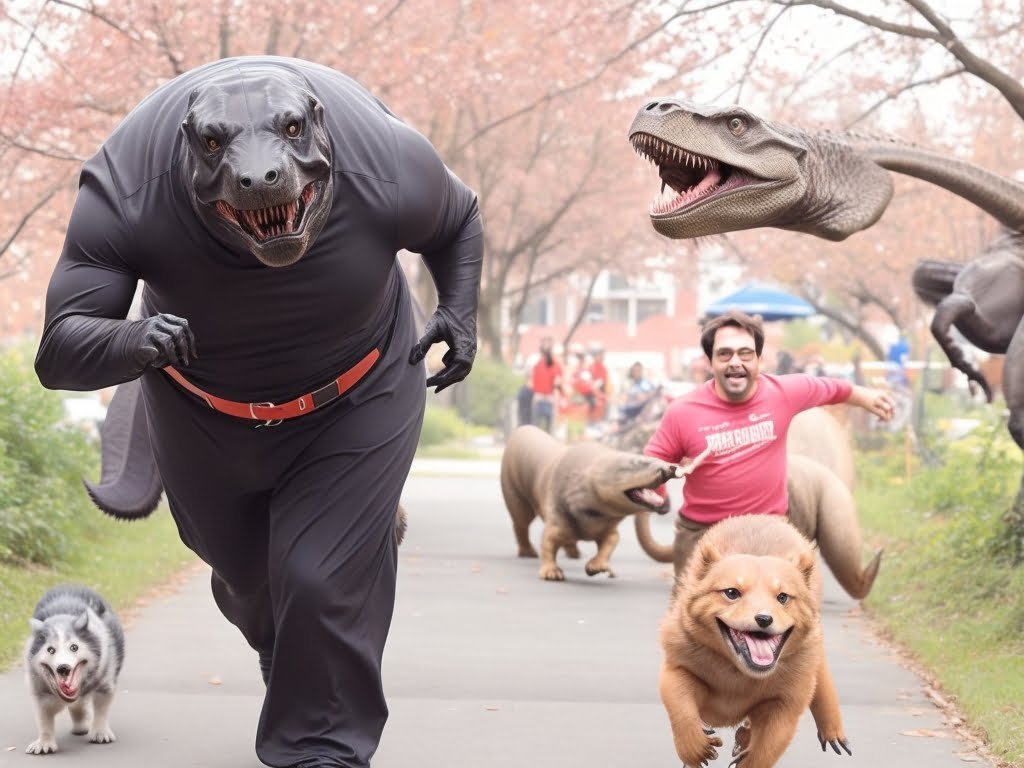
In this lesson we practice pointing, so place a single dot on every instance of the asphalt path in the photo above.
(487, 666)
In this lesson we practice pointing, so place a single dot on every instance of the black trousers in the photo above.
(297, 523)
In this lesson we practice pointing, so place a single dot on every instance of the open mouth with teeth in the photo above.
(649, 499)
(67, 685)
(274, 221)
(759, 650)
(688, 179)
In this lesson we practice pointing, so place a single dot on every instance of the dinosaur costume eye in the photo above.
(212, 143)
(737, 125)
(293, 129)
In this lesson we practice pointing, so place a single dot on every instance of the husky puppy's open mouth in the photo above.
(759, 650)
(67, 684)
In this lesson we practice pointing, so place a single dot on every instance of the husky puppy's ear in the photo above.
(82, 621)
(36, 625)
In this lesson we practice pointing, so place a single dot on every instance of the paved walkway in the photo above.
(486, 666)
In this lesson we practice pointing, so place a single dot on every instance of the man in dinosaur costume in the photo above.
(724, 169)
(263, 201)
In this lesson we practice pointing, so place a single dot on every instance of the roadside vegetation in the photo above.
(50, 533)
(950, 588)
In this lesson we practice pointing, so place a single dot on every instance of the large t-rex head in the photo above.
(258, 163)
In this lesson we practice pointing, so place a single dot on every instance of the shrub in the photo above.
(487, 389)
(41, 466)
(973, 492)
(440, 425)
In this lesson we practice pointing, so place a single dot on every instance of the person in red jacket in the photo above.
(546, 383)
(742, 416)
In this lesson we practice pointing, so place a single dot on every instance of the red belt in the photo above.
(272, 414)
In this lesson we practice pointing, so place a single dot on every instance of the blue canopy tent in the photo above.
(763, 299)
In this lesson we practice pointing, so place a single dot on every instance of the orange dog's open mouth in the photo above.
(759, 650)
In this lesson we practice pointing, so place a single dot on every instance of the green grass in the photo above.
(123, 561)
(947, 592)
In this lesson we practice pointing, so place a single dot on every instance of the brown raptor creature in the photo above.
(581, 492)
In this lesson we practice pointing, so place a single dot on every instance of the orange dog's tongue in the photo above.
(762, 650)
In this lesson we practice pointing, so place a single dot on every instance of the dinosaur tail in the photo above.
(933, 280)
(824, 510)
(660, 553)
(130, 485)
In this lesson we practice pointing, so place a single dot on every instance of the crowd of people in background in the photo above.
(579, 387)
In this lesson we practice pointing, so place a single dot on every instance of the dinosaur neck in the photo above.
(998, 196)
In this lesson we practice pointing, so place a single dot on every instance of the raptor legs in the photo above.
(957, 308)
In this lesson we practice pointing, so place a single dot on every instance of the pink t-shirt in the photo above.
(745, 473)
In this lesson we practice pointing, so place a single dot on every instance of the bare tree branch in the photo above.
(895, 94)
(36, 207)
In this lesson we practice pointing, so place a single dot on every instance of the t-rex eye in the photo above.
(737, 125)
(293, 129)
(212, 143)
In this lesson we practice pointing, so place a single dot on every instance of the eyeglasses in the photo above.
(724, 354)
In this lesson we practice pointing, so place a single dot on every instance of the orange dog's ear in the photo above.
(806, 562)
(707, 554)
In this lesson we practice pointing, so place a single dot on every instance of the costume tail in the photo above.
(933, 280)
(130, 485)
(658, 552)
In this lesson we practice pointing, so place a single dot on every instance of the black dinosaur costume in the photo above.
(263, 201)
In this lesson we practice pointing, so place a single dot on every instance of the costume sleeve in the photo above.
(438, 218)
(85, 334)
(805, 391)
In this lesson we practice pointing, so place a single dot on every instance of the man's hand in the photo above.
(878, 401)
(461, 341)
(161, 340)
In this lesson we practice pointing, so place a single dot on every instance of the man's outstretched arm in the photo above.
(877, 401)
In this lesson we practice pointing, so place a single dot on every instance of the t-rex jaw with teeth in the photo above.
(272, 221)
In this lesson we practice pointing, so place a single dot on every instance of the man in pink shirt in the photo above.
(740, 418)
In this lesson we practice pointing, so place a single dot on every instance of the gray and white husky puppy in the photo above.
(72, 659)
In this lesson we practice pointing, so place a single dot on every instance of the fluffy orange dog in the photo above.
(743, 642)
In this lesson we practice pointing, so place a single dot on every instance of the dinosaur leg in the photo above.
(599, 562)
(955, 308)
(1013, 385)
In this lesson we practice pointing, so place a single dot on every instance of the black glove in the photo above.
(159, 341)
(459, 335)
(84, 353)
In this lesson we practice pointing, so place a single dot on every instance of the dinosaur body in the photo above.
(724, 169)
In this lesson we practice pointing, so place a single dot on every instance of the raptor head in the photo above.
(722, 169)
(258, 163)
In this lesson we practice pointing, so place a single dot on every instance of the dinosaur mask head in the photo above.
(721, 170)
(258, 163)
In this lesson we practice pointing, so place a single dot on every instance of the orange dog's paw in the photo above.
(698, 748)
(835, 738)
(596, 566)
(551, 573)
